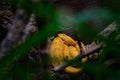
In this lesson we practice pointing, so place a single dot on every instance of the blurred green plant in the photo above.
(10, 66)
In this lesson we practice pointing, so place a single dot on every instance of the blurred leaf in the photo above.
(33, 41)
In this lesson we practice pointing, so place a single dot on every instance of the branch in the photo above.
(18, 31)
(83, 54)
(106, 32)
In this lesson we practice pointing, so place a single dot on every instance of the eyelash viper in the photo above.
(62, 48)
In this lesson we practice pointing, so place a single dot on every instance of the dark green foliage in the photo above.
(18, 65)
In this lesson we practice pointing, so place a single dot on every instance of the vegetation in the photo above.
(28, 26)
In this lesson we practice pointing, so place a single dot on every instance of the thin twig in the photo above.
(83, 54)
(105, 33)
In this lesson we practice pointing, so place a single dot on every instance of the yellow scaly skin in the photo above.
(63, 48)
